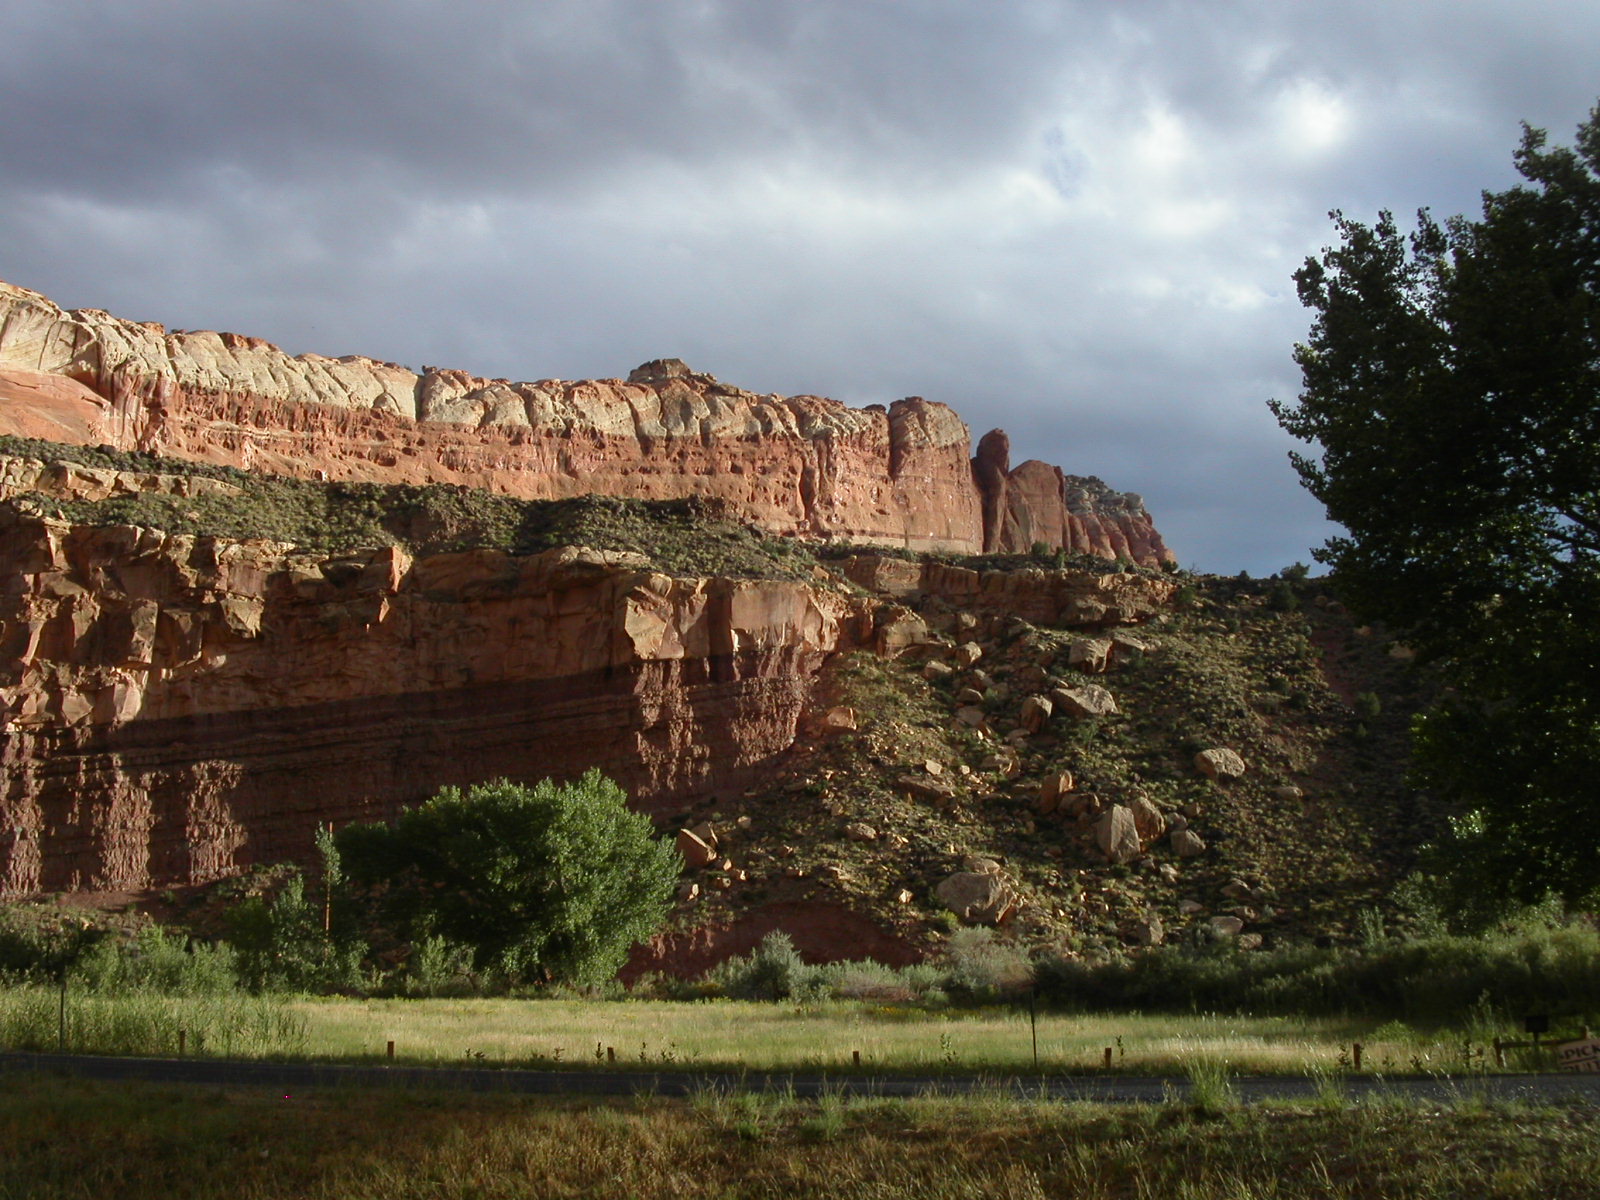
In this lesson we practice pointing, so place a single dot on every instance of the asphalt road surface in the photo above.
(1108, 1089)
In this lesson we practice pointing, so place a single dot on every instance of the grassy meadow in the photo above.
(724, 1035)
(73, 1138)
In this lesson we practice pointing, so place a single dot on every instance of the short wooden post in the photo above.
(183, 1041)
(855, 1057)
(390, 1051)
(611, 1054)
(1033, 1022)
(1499, 1053)
(1355, 1055)
(1108, 1058)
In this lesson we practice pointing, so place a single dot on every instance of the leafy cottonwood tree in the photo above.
(554, 881)
(1452, 384)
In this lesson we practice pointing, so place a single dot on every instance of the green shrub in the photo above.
(440, 967)
(157, 960)
(772, 971)
(980, 967)
(549, 883)
(281, 944)
(1433, 978)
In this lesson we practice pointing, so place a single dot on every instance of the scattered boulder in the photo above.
(1036, 712)
(860, 831)
(1056, 785)
(1123, 642)
(1288, 794)
(1091, 700)
(936, 670)
(1033, 677)
(1219, 764)
(1116, 836)
(1090, 655)
(902, 630)
(1249, 941)
(972, 715)
(696, 853)
(977, 897)
(969, 696)
(1149, 931)
(1149, 820)
(981, 865)
(1225, 927)
(1186, 843)
(968, 654)
(923, 788)
(837, 720)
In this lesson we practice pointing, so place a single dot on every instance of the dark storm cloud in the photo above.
(1076, 221)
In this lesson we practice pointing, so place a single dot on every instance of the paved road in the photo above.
(1109, 1089)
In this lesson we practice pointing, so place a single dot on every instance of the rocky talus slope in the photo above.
(799, 465)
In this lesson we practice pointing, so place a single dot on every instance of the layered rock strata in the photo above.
(800, 465)
(176, 708)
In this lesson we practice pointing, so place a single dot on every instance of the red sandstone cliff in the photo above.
(177, 707)
(174, 708)
(802, 465)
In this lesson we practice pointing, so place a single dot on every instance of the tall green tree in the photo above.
(551, 882)
(1452, 397)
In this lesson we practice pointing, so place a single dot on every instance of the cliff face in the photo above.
(177, 707)
(802, 465)
(174, 708)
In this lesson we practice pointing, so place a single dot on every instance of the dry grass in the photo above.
(132, 1141)
(759, 1036)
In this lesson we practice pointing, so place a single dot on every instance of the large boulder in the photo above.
(1116, 835)
(1090, 655)
(977, 897)
(1186, 843)
(1149, 820)
(1219, 764)
(1035, 713)
(1090, 700)
(696, 851)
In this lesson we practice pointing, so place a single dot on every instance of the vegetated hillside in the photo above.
(932, 761)
(1319, 827)
(684, 537)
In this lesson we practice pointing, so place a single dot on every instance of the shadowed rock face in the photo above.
(802, 465)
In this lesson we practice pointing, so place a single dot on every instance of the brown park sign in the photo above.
(1579, 1056)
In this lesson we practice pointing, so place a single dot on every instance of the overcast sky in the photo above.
(1075, 221)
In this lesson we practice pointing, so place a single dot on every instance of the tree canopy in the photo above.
(1451, 382)
(552, 882)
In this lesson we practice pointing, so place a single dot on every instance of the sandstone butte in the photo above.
(175, 708)
(798, 465)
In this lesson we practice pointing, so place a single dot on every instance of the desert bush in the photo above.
(980, 967)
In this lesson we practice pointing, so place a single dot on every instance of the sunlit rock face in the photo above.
(797, 465)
